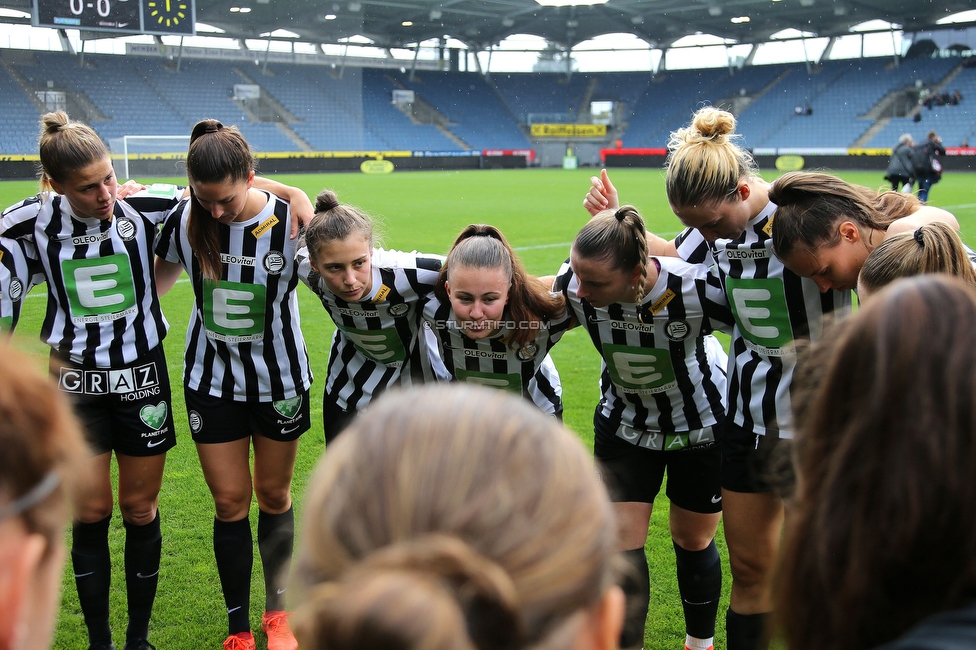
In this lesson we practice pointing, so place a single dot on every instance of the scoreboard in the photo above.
(121, 16)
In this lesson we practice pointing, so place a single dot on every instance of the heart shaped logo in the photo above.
(287, 408)
(153, 416)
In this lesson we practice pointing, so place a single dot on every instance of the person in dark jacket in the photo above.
(901, 167)
(928, 169)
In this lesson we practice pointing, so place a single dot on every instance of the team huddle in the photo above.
(768, 264)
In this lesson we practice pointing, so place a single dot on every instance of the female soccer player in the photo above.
(494, 323)
(662, 404)
(455, 517)
(18, 273)
(933, 248)
(105, 329)
(246, 372)
(374, 297)
(826, 227)
(879, 546)
(714, 187)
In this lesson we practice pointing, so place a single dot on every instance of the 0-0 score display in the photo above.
(128, 16)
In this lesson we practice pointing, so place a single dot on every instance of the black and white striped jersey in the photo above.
(19, 271)
(660, 382)
(244, 339)
(102, 307)
(378, 342)
(772, 307)
(492, 361)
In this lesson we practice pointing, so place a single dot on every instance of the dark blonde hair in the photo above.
(812, 204)
(334, 221)
(529, 300)
(882, 533)
(66, 147)
(617, 237)
(217, 153)
(704, 164)
(932, 248)
(468, 494)
(40, 443)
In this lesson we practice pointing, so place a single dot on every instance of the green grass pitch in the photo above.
(540, 211)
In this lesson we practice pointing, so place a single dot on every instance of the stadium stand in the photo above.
(475, 112)
(318, 108)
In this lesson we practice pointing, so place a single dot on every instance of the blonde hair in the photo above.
(65, 147)
(932, 248)
(704, 163)
(39, 438)
(475, 494)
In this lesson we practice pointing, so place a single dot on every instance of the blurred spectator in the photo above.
(901, 168)
(928, 169)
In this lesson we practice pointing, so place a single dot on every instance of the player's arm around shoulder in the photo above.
(924, 215)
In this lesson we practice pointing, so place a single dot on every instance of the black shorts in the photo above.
(216, 419)
(633, 473)
(128, 409)
(755, 463)
(334, 418)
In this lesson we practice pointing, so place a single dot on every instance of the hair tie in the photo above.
(918, 236)
(213, 128)
(329, 204)
(620, 215)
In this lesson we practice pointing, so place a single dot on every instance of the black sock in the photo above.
(233, 549)
(276, 537)
(637, 589)
(700, 585)
(93, 576)
(745, 631)
(143, 545)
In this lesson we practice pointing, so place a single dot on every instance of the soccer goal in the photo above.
(146, 147)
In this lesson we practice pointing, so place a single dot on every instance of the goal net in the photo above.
(148, 155)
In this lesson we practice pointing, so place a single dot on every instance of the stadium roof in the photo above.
(483, 23)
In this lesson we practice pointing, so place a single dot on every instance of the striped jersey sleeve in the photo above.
(772, 307)
(378, 342)
(19, 271)
(244, 339)
(492, 361)
(660, 384)
(102, 307)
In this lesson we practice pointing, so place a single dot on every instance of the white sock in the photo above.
(694, 643)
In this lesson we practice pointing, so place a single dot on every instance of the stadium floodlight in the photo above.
(570, 3)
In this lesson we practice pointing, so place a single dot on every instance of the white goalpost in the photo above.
(134, 147)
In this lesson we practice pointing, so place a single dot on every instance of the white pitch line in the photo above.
(666, 235)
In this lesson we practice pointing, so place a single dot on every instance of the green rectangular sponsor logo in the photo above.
(99, 289)
(234, 311)
(382, 346)
(641, 370)
(507, 381)
(759, 306)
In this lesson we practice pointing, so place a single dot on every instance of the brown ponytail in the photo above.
(529, 299)
(812, 204)
(217, 153)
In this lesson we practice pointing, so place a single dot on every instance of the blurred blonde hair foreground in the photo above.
(456, 517)
(40, 478)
